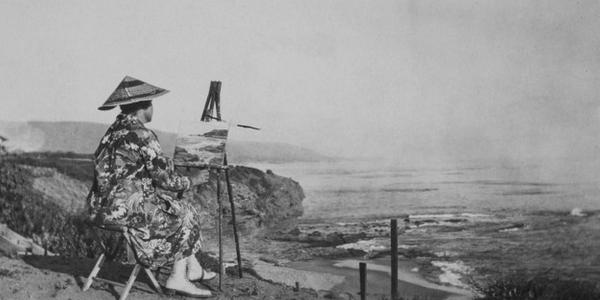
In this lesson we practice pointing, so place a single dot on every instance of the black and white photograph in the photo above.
(300, 149)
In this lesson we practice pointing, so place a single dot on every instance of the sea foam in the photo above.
(452, 272)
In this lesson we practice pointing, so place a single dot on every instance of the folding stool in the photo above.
(136, 268)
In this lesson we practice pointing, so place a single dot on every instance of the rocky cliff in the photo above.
(43, 195)
(261, 200)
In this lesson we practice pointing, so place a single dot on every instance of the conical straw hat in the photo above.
(132, 90)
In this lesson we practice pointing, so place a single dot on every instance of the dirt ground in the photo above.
(38, 277)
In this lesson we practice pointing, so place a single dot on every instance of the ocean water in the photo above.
(362, 190)
(471, 220)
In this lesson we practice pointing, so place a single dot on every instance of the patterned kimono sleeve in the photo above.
(160, 167)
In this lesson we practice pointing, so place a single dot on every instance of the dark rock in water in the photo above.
(335, 238)
(334, 253)
(315, 234)
(416, 253)
(318, 238)
(456, 220)
(295, 231)
(427, 221)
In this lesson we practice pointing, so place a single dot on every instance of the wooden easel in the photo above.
(212, 111)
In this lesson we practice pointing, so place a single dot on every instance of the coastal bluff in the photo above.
(262, 200)
(42, 196)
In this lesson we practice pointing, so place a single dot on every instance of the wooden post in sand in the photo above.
(220, 228)
(394, 254)
(362, 267)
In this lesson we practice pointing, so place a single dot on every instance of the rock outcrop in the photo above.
(261, 200)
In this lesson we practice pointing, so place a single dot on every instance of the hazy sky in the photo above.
(399, 79)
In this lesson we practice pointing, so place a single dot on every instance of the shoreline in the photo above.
(341, 276)
(439, 253)
(335, 247)
(405, 276)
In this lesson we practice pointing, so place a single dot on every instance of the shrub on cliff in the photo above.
(26, 212)
(520, 286)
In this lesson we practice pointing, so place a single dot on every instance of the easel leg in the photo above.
(220, 230)
(235, 233)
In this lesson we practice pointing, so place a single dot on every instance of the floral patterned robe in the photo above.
(135, 186)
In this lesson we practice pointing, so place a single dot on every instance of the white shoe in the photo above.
(186, 288)
(202, 275)
(196, 272)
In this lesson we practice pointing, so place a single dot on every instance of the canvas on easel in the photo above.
(201, 144)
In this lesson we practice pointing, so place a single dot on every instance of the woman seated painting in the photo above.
(136, 187)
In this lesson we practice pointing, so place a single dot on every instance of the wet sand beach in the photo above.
(410, 284)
